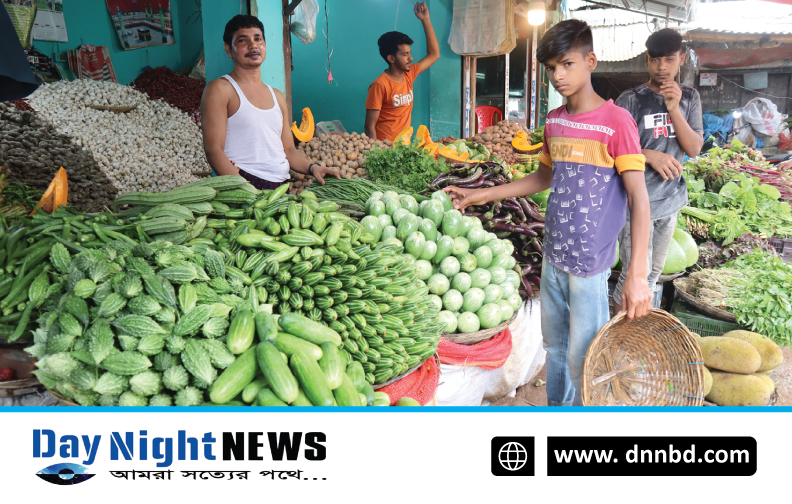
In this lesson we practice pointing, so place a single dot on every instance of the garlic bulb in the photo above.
(153, 147)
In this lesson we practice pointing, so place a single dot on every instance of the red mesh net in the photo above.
(490, 354)
(420, 385)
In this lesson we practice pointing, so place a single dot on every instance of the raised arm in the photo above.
(214, 120)
(432, 47)
(689, 139)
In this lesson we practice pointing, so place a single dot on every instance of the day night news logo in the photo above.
(138, 446)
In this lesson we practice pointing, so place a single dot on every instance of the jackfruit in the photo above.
(769, 351)
(707, 381)
(729, 389)
(729, 354)
(767, 380)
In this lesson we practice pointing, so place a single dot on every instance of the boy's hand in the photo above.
(671, 94)
(664, 164)
(636, 298)
(464, 198)
(421, 11)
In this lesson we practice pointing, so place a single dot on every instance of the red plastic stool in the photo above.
(485, 115)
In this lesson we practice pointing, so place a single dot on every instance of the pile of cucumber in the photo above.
(297, 362)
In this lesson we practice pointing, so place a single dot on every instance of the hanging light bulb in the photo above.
(536, 13)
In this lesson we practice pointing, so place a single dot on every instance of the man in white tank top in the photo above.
(245, 125)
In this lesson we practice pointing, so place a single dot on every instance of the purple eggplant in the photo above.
(530, 210)
(472, 185)
(502, 226)
(471, 178)
(488, 183)
(535, 279)
(536, 245)
(527, 286)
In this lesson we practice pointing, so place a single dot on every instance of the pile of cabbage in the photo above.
(470, 272)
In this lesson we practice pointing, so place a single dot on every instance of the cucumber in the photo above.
(346, 394)
(302, 399)
(308, 330)
(332, 365)
(381, 399)
(266, 327)
(407, 401)
(266, 397)
(276, 371)
(234, 379)
(312, 380)
(252, 389)
(355, 371)
(241, 332)
(368, 391)
(289, 344)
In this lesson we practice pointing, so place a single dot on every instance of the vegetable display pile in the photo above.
(733, 287)
(712, 256)
(744, 206)
(346, 152)
(153, 147)
(403, 166)
(720, 165)
(518, 219)
(32, 151)
(355, 191)
(179, 91)
(469, 272)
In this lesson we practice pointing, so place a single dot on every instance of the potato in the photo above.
(360, 171)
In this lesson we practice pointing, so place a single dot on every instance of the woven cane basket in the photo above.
(650, 361)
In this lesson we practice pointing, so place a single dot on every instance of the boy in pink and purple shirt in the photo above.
(591, 160)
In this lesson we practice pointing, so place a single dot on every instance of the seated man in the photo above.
(245, 126)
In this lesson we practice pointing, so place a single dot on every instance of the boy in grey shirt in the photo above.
(670, 125)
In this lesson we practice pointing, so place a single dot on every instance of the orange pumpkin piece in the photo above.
(404, 136)
(423, 135)
(431, 148)
(452, 155)
(57, 193)
(306, 130)
(522, 144)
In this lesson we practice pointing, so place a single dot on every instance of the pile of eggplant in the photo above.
(517, 219)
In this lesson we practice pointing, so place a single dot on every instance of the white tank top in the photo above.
(253, 139)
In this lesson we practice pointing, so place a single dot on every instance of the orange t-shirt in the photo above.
(394, 100)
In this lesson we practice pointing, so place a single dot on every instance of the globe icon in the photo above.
(512, 456)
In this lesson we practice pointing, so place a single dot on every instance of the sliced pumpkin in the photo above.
(522, 144)
(451, 155)
(306, 130)
(423, 136)
(404, 136)
(431, 148)
(57, 193)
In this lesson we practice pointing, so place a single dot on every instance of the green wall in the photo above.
(356, 63)
(88, 21)
(217, 14)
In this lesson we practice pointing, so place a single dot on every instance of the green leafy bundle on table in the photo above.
(766, 310)
(744, 206)
(404, 166)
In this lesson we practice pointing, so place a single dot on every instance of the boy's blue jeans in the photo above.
(573, 311)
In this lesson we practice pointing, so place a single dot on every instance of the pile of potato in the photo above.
(736, 367)
(347, 152)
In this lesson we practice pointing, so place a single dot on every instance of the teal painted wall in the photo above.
(88, 21)
(217, 14)
(191, 41)
(356, 63)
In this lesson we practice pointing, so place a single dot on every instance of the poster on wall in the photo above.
(142, 23)
(49, 24)
(22, 14)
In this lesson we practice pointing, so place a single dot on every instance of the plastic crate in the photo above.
(784, 248)
(701, 324)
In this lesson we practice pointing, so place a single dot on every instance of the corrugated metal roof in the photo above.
(749, 16)
(618, 35)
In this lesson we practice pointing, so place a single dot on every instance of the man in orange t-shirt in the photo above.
(390, 97)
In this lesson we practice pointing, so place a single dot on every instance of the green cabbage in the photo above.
(452, 223)
(436, 301)
(429, 250)
(450, 266)
(492, 293)
(423, 269)
(461, 246)
(480, 278)
(415, 244)
(444, 246)
(387, 233)
(472, 299)
(399, 214)
(446, 317)
(428, 228)
(372, 226)
(385, 220)
(438, 284)
(498, 274)
(483, 256)
(452, 300)
(467, 262)
(490, 315)
(468, 322)
(409, 203)
(461, 282)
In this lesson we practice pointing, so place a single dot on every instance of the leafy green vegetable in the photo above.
(403, 166)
